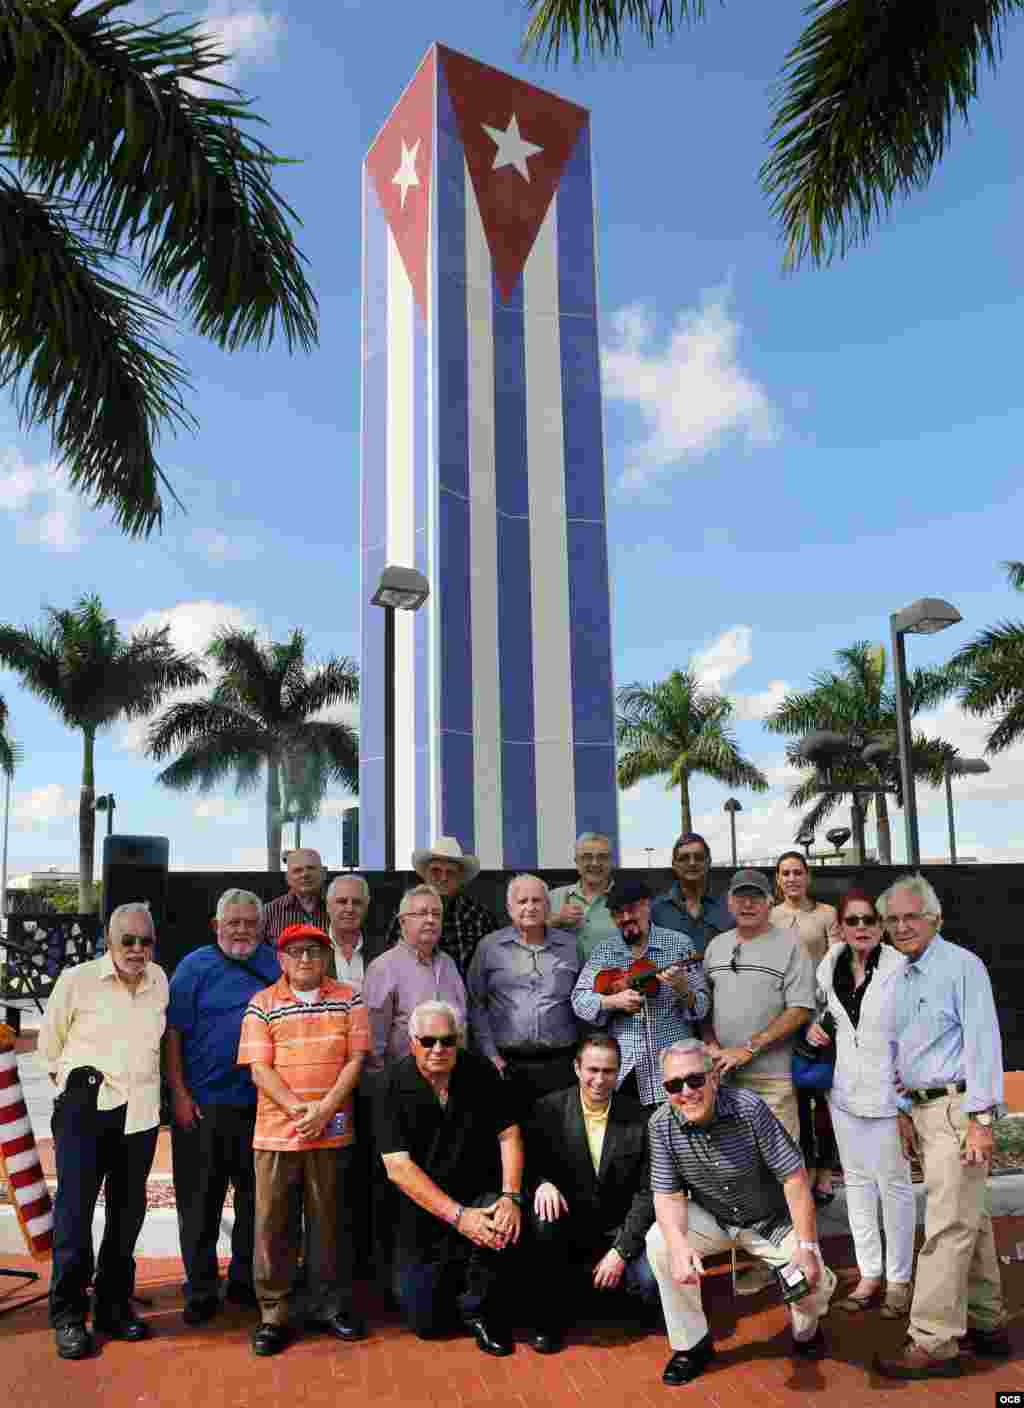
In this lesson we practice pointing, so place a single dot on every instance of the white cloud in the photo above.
(759, 706)
(43, 807)
(245, 33)
(720, 660)
(221, 548)
(48, 511)
(692, 392)
(222, 809)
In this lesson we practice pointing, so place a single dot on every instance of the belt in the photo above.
(535, 1053)
(937, 1092)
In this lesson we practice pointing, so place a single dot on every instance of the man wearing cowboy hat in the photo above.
(449, 870)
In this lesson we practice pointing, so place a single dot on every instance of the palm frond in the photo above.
(596, 26)
(182, 725)
(865, 111)
(1015, 575)
(208, 761)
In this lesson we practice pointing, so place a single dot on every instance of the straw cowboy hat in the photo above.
(446, 848)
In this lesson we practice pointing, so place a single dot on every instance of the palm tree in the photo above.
(261, 715)
(680, 728)
(8, 747)
(129, 179)
(856, 702)
(991, 671)
(864, 109)
(81, 665)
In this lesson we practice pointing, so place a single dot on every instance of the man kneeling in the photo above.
(451, 1145)
(593, 1204)
(726, 1174)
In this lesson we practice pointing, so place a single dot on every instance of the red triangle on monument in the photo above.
(517, 140)
(399, 165)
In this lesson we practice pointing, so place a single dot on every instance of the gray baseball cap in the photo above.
(751, 880)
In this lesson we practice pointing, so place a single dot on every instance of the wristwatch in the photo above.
(808, 1246)
(983, 1117)
(516, 1198)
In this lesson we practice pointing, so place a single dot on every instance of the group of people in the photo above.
(598, 1092)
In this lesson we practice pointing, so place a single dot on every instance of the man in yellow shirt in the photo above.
(586, 1150)
(100, 1040)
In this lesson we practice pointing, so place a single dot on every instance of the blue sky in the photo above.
(790, 458)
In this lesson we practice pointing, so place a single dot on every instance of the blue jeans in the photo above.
(453, 1279)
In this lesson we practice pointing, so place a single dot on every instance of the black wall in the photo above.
(983, 909)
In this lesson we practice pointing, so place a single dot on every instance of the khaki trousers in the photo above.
(958, 1283)
(681, 1305)
(290, 1184)
(779, 1094)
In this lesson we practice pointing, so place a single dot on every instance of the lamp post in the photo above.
(106, 804)
(399, 589)
(962, 767)
(650, 852)
(732, 807)
(921, 618)
(805, 837)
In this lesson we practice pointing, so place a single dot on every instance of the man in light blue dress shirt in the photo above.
(950, 1064)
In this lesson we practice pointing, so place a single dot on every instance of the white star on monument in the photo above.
(512, 148)
(406, 176)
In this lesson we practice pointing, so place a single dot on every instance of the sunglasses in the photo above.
(860, 921)
(431, 1041)
(305, 951)
(133, 941)
(697, 1081)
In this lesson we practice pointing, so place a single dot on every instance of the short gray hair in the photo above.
(585, 836)
(690, 1046)
(364, 888)
(526, 876)
(130, 907)
(416, 890)
(239, 897)
(915, 885)
(435, 1008)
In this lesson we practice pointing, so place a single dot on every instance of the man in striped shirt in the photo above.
(304, 1039)
(304, 901)
(725, 1174)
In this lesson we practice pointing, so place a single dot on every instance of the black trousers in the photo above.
(817, 1141)
(564, 1253)
(215, 1152)
(92, 1147)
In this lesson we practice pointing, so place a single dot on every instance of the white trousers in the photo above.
(873, 1168)
(681, 1305)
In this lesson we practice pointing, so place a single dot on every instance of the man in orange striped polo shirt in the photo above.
(305, 1039)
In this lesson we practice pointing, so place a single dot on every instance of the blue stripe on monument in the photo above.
(374, 530)
(422, 621)
(589, 607)
(515, 636)
(452, 408)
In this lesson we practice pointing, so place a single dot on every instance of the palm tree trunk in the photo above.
(273, 816)
(684, 804)
(87, 826)
(884, 834)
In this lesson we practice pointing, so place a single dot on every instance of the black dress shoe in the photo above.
(238, 1294)
(197, 1312)
(344, 1326)
(548, 1341)
(488, 1340)
(992, 1344)
(73, 1341)
(123, 1326)
(687, 1364)
(271, 1339)
(814, 1348)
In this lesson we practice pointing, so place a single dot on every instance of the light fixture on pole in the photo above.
(399, 589)
(650, 852)
(732, 807)
(961, 767)
(805, 837)
(106, 804)
(921, 618)
(824, 748)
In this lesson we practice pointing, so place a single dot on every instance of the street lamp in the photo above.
(106, 804)
(399, 589)
(732, 807)
(805, 837)
(824, 747)
(922, 618)
(961, 767)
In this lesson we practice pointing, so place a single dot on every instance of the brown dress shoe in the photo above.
(913, 1362)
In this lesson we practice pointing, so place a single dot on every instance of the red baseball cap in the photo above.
(295, 932)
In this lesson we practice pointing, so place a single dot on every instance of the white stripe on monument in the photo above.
(483, 541)
(401, 537)
(549, 556)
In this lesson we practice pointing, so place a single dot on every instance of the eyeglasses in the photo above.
(424, 914)
(893, 921)
(305, 951)
(431, 1041)
(732, 959)
(697, 1081)
(589, 857)
(860, 921)
(136, 941)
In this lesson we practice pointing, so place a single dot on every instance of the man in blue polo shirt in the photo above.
(215, 1099)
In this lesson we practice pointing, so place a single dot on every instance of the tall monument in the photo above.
(483, 467)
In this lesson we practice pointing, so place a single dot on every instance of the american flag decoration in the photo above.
(19, 1157)
(483, 467)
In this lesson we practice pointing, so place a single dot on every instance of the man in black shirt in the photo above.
(451, 1145)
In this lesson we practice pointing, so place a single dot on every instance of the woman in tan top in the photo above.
(817, 926)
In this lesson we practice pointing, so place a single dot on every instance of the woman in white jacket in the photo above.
(859, 980)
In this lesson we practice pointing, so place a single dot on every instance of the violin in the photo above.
(641, 976)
